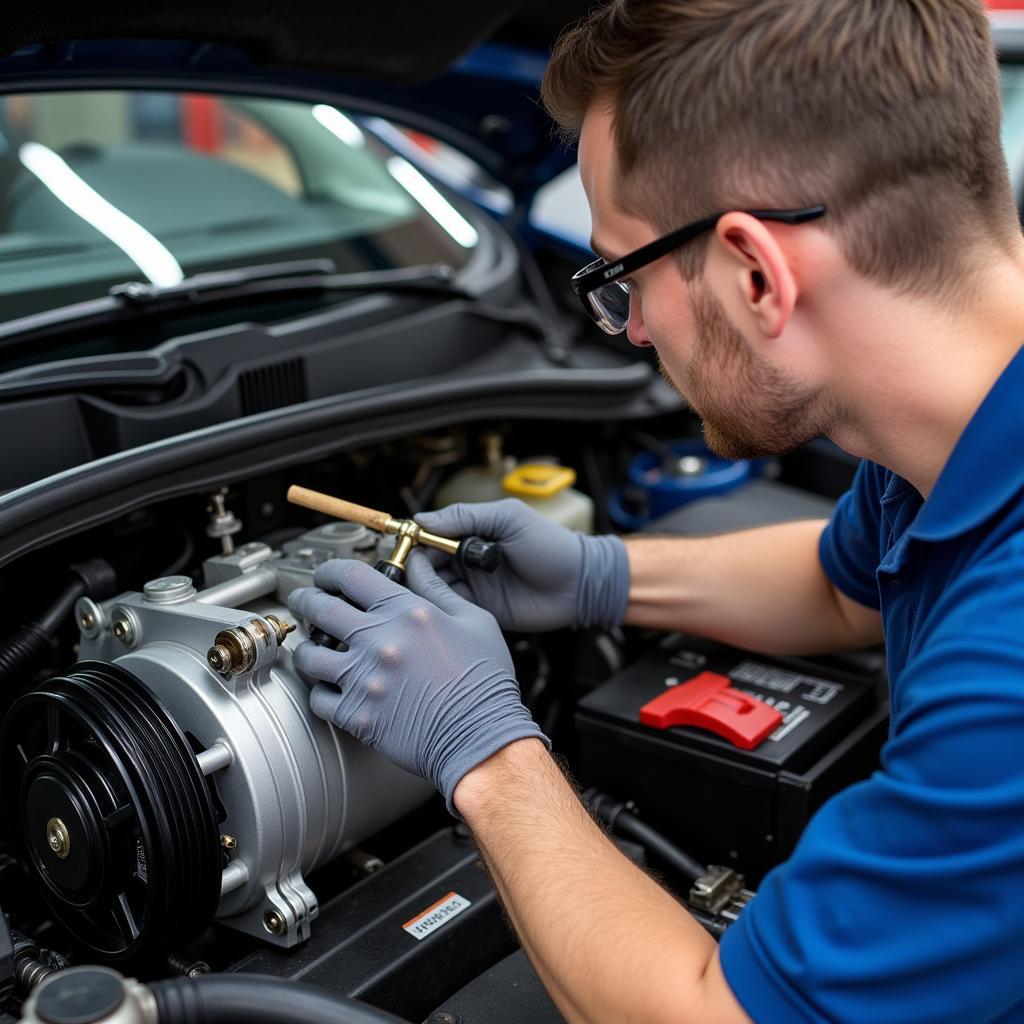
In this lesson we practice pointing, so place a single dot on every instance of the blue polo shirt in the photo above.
(904, 900)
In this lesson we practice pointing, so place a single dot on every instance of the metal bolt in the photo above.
(88, 620)
(123, 630)
(58, 838)
(219, 658)
(274, 922)
(187, 968)
(228, 842)
(444, 1017)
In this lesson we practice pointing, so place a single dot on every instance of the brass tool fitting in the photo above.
(473, 551)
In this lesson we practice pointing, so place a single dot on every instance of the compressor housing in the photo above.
(176, 775)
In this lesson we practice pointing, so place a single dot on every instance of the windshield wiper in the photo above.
(134, 299)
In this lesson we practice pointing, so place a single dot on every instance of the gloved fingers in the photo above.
(490, 519)
(422, 579)
(438, 559)
(321, 663)
(446, 567)
(325, 701)
(461, 587)
(356, 580)
(330, 613)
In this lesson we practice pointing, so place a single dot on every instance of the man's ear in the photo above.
(763, 274)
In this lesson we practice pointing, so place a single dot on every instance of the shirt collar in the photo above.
(986, 468)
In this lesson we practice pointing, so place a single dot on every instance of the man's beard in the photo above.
(749, 409)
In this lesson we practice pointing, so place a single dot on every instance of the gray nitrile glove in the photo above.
(427, 679)
(550, 577)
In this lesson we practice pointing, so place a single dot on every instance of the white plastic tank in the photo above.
(548, 487)
(478, 483)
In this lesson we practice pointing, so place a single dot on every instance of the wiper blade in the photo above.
(302, 274)
(136, 299)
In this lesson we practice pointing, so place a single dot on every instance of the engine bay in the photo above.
(171, 807)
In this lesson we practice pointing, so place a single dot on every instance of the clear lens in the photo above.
(611, 304)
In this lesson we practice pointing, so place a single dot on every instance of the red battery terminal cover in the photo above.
(708, 701)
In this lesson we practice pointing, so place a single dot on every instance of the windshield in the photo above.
(98, 188)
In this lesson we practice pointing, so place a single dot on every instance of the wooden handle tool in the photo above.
(382, 522)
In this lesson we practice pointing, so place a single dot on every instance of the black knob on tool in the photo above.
(324, 639)
(390, 571)
(477, 553)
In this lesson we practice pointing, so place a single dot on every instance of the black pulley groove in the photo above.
(112, 812)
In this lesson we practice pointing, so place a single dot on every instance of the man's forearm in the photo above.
(608, 943)
(762, 589)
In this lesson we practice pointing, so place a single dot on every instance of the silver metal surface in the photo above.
(718, 889)
(227, 567)
(214, 758)
(90, 617)
(297, 791)
(124, 625)
(247, 586)
(169, 589)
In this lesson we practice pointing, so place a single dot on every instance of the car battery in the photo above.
(728, 753)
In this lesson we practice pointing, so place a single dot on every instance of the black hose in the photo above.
(20, 651)
(27, 645)
(620, 819)
(255, 999)
(51, 619)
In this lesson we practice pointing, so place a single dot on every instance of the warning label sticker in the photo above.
(781, 681)
(436, 915)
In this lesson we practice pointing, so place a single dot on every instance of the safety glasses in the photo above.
(603, 287)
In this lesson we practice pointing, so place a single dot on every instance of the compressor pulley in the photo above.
(111, 809)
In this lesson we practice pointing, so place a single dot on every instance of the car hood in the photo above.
(463, 71)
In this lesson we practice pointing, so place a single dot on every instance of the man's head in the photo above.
(887, 112)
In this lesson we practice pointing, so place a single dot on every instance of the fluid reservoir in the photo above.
(549, 489)
(478, 483)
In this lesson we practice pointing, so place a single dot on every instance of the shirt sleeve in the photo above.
(850, 548)
(900, 901)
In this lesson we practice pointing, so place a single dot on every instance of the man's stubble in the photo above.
(749, 409)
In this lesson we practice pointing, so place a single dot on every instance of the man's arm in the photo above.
(763, 589)
(608, 943)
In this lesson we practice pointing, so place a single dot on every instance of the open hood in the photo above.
(463, 71)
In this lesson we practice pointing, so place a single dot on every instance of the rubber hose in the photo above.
(253, 999)
(620, 819)
(631, 827)
(50, 621)
(21, 651)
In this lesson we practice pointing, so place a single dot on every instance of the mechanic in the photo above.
(890, 321)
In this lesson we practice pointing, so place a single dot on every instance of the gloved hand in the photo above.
(427, 678)
(550, 577)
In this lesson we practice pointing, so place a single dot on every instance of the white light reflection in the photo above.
(148, 253)
(339, 125)
(433, 202)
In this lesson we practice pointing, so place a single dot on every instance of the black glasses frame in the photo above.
(603, 272)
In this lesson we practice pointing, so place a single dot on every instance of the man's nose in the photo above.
(635, 329)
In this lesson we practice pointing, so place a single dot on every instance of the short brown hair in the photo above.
(886, 111)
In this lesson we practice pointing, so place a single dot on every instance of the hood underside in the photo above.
(399, 41)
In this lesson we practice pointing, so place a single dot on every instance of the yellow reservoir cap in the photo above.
(538, 480)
